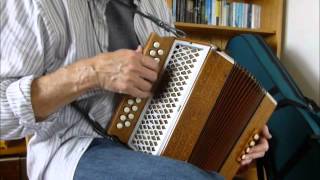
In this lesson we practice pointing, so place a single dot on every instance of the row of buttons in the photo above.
(129, 113)
(154, 53)
(251, 144)
(131, 108)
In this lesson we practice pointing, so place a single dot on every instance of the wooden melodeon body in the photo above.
(205, 109)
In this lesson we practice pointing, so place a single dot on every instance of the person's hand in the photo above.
(126, 71)
(260, 149)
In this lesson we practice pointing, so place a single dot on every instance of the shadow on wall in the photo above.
(301, 74)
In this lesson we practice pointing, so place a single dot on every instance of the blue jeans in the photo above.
(106, 159)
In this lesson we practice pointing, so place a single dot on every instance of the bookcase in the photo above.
(13, 160)
(271, 26)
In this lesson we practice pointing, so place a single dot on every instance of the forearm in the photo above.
(123, 71)
(53, 91)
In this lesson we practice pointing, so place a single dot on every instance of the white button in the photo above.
(127, 124)
(126, 109)
(247, 150)
(134, 108)
(252, 143)
(156, 44)
(130, 116)
(130, 101)
(153, 53)
(138, 100)
(119, 125)
(256, 137)
(157, 59)
(160, 52)
(123, 117)
(243, 157)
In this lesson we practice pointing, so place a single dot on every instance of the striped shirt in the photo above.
(38, 37)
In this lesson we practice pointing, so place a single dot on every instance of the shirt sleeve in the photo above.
(24, 41)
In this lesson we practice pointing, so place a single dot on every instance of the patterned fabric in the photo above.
(38, 37)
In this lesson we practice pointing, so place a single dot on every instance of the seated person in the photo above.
(84, 51)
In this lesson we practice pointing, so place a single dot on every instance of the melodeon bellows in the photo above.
(205, 109)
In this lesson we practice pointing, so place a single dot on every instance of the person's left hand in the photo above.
(260, 149)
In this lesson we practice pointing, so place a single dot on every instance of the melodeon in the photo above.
(205, 108)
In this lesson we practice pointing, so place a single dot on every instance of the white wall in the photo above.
(301, 45)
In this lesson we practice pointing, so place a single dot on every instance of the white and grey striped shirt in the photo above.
(38, 37)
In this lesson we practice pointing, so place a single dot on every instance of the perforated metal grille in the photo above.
(161, 112)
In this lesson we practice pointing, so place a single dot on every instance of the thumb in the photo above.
(139, 49)
(266, 132)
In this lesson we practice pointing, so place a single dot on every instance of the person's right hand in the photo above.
(125, 71)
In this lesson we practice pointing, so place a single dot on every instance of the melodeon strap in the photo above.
(205, 109)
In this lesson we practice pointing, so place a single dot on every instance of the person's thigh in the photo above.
(109, 160)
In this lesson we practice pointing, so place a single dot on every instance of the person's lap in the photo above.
(111, 160)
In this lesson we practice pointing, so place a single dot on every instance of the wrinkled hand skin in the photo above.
(122, 71)
(257, 151)
(125, 71)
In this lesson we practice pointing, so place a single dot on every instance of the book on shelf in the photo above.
(217, 12)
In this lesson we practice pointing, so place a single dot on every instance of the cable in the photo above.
(177, 32)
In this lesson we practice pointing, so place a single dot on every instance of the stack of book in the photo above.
(217, 12)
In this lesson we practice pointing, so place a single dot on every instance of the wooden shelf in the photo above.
(225, 30)
(271, 26)
(17, 147)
